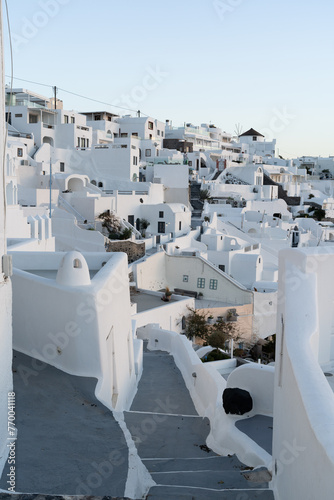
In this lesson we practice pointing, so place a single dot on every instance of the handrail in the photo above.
(68, 207)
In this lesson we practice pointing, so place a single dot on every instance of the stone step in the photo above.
(210, 479)
(213, 463)
(168, 493)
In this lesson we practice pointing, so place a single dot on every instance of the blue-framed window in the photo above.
(200, 282)
(213, 284)
(185, 278)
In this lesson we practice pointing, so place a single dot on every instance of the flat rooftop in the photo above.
(146, 301)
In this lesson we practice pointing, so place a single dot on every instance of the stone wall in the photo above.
(133, 249)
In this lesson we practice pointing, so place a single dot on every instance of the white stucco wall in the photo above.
(82, 330)
(161, 269)
(303, 441)
(251, 377)
(71, 237)
(168, 316)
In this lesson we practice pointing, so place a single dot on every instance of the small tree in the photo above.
(143, 225)
(215, 335)
(125, 234)
(222, 332)
(319, 214)
(196, 324)
(204, 194)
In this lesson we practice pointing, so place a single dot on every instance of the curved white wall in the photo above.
(258, 380)
(303, 443)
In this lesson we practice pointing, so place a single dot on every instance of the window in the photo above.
(161, 227)
(87, 143)
(200, 282)
(254, 138)
(77, 264)
(134, 134)
(124, 134)
(83, 142)
(213, 284)
(158, 132)
(135, 160)
(72, 119)
(190, 163)
(150, 125)
(19, 152)
(65, 118)
(180, 225)
(19, 115)
(161, 215)
(109, 118)
(147, 152)
(62, 166)
(33, 119)
(185, 278)
(162, 134)
(97, 117)
(124, 146)
(78, 142)
(150, 136)
(100, 185)
(93, 182)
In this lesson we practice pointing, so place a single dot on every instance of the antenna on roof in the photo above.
(238, 129)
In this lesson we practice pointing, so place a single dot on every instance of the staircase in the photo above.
(196, 203)
(217, 174)
(289, 200)
(170, 438)
(68, 207)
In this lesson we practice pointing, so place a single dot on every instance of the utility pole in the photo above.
(55, 97)
(50, 183)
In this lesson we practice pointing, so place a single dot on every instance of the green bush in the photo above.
(215, 355)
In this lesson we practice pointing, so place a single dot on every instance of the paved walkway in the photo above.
(260, 429)
(70, 444)
(67, 442)
(170, 437)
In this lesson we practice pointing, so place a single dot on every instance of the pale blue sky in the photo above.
(266, 64)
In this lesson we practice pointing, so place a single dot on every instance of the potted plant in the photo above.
(210, 319)
(166, 297)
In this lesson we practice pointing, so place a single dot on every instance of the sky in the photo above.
(266, 64)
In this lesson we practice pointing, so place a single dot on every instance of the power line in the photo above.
(77, 95)
(95, 100)
(29, 81)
